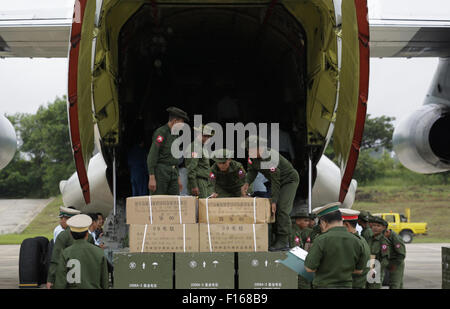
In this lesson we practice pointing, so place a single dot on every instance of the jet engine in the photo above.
(8, 141)
(421, 140)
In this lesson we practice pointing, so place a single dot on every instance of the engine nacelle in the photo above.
(328, 183)
(8, 141)
(422, 140)
(102, 198)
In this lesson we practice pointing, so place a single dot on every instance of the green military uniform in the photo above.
(380, 250)
(160, 161)
(396, 261)
(335, 254)
(229, 183)
(359, 280)
(162, 164)
(63, 241)
(199, 171)
(81, 265)
(366, 232)
(284, 181)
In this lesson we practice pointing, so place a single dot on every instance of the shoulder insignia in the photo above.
(212, 176)
(384, 247)
(297, 240)
(308, 239)
(250, 161)
(273, 169)
(159, 139)
(194, 154)
(397, 246)
(241, 173)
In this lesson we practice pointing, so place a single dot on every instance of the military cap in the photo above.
(312, 216)
(205, 130)
(349, 214)
(175, 111)
(67, 212)
(300, 213)
(328, 208)
(364, 216)
(379, 220)
(222, 155)
(79, 223)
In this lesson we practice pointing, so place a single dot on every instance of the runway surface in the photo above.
(15, 215)
(423, 266)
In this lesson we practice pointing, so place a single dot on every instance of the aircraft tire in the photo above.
(30, 263)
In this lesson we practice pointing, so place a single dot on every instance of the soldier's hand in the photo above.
(214, 195)
(180, 185)
(195, 191)
(152, 183)
(49, 285)
(244, 189)
(274, 208)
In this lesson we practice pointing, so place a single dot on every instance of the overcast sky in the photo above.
(397, 85)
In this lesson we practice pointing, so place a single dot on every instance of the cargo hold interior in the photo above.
(229, 64)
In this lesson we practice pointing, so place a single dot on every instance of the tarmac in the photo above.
(423, 266)
(15, 215)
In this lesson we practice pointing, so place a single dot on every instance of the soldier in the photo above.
(81, 265)
(397, 259)
(299, 227)
(227, 175)
(335, 254)
(64, 214)
(198, 166)
(363, 221)
(350, 219)
(284, 181)
(63, 241)
(380, 252)
(162, 165)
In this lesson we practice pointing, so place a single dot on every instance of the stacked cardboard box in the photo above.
(234, 224)
(162, 223)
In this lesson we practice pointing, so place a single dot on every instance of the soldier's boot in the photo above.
(281, 244)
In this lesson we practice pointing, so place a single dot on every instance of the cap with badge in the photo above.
(349, 214)
(364, 216)
(222, 155)
(254, 140)
(79, 223)
(175, 111)
(67, 212)
(328, 208)
(379, 220)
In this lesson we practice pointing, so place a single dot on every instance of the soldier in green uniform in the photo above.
(81, 265)
(162, 165)
(396, 265)
(227, 175)
(198, 167)
(363, 221)
(63, 241)
(299, 227)
(350, 219)
(380, 251)
(284, 181)
(335, 254)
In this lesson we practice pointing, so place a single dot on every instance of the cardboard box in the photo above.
(143, 270)
(233, 237)
(263, 270)
(163, 209)
(164, 238)
(204, 270)
(235, 211)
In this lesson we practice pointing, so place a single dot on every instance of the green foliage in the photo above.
(378, 133)
(44, 157)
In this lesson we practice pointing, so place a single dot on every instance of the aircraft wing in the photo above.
(45, 33)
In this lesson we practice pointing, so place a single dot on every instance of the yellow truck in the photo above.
(401, 224)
